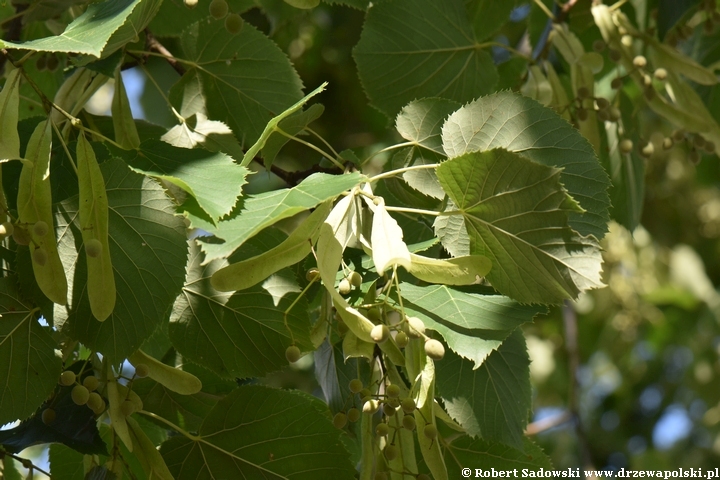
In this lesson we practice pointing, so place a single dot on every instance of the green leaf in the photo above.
(272, 125)
(455, 271)
(398, 65)
(66, 463)
(516, 214)
(174, 16)
(126, 133)
(245, 78)
(520, 124)
(421, 121)
(265, 209)
(186, 410)
(488, 16)
(491, 402)
(451, 231)
(212, 178)
(149, 249)
(472, 325)
(212, 135)
(465, 450)
(304, 4)
(27, 352)
(292, 125)
(235, 335)
(260, 432)
(334, 371)
(91, 32)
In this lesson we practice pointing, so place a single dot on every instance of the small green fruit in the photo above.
(355, 279)
(408, 422)
(233, 23)
(40, 256)
(353, 415)
(48, 416)
(393, 391)
(312, 274)
(344, 287)
(21, 236)
(127, 408)
(91, 383)
(430, 431)
(355, 385)
(340, 420)
(388, 410)
(408, 405)
(293, 354)
(67, 378)
(382, 430)
(93, 248)
(6, 229)
(626, 145)
(401, 339)
(391, 452)
(141, 370)
(416, 327)
(95, 401)
(371, 406)
(80, 395)
(218, 9)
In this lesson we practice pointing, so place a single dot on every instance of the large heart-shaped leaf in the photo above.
(516, 214)
(264, 433)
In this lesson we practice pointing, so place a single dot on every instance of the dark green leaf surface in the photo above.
(516, 214)
(265, 209)
(520, 124)
(239, 334)
(479, 453)
(246, 79)
(66, 463)
(213, 178)
(174, 16)
(262, 433)
(472, 325)
(493, 401)
(488, 16)
(421, 48)
(186, 410)
(27, 353)
(149, 251)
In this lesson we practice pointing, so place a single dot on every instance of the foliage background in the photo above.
(648, 345)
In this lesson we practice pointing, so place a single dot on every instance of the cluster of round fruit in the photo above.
(696, 143)
(85, 393)
(605, 111)
(684, 30)
(219, 9)
(391, 405)
(410, 328)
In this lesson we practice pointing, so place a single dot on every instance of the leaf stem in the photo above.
(544, 8)
(179, 117)
(310, 145)
(64, 145)
(397, 171)
(387, 149)
(414, 210)
(325, 142)
(194, 438)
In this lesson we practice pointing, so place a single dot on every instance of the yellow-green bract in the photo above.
(174, 379)
(34, 203)
(94, 226)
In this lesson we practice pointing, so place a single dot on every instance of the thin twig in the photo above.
(152, 43)
(571, 346)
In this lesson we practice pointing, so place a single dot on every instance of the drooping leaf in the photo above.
(298, 245)
(126, 133)
(486, 455)
(396, 65)
(245, 78)
(520, 124)
(9, 103)
(516, 214)
(27, 351)
(260, 432)
(493, 401)
(292, 125)
(265, 209)
(148, 247)
(212, 178)
(91, 32)
(472, 325)
(241, 334)
(627, 173)
(273, 124)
